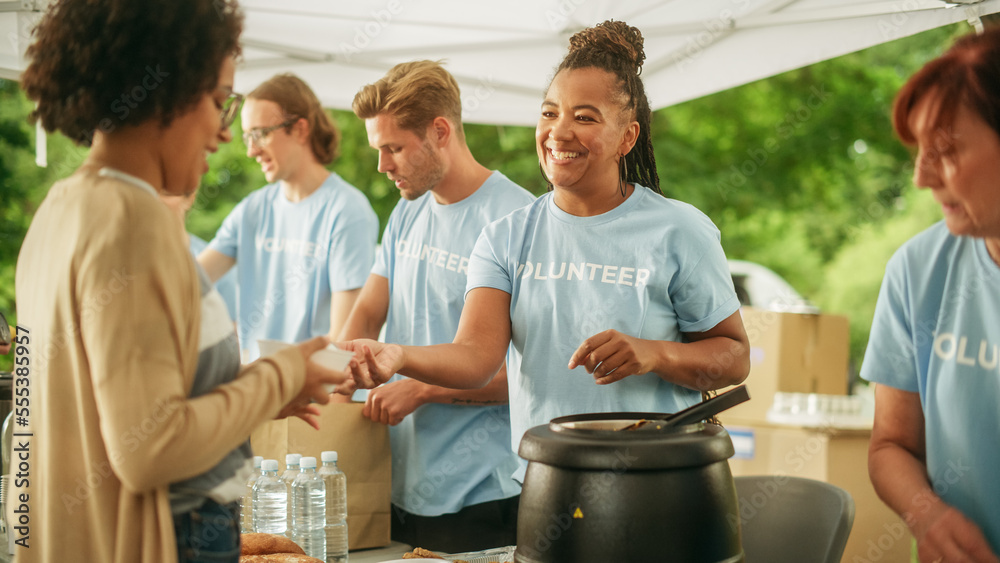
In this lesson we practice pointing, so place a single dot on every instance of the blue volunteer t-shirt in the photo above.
(226, 285)
(650, 268)
(292, 256)
(936, 332)
(444, 457)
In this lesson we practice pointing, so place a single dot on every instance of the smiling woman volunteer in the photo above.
(108, 298)
(933, 348)
(602, 273)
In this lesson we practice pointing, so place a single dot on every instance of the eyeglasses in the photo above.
(231, 108)
(259, 136)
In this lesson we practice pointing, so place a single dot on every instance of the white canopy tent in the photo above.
(503, 53)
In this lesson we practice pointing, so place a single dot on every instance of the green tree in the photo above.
(854, 276)
(792, 166)
(23, 185)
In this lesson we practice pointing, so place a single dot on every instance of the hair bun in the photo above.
(615, 38)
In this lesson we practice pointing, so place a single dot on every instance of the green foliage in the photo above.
(23, 185)
(510, 150)
(854, 276)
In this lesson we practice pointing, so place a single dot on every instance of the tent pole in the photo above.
(41, 147)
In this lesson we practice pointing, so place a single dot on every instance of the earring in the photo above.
(622, 174)
(548, 183)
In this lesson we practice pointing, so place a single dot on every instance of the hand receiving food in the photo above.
(612, 356)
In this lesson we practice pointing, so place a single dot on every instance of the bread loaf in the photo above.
(263, 544)
(421, 553)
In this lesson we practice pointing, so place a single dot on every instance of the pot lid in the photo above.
(595, 442)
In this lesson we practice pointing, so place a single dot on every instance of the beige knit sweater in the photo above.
(109, 295)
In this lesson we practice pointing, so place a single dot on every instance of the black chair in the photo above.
(793, 520)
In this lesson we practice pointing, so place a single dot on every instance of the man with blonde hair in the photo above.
(306, 241)
(452, 461)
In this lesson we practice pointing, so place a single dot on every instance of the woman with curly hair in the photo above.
(603, 272)
(110, 299)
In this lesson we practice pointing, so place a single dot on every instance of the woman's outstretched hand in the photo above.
(317, 385)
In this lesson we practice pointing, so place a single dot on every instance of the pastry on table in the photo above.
(421, 553)
(263, 544)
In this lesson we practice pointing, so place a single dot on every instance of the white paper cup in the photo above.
(331, 357)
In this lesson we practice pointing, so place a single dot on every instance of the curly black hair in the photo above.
(617, 47)
(102, 64)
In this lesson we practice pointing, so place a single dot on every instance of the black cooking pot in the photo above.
(595, 493)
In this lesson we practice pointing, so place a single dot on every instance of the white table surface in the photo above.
(394, 550)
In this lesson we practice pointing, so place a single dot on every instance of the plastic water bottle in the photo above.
(309, 509)
(270, 500)
(246, 501)
(291, 470)
(336, 508)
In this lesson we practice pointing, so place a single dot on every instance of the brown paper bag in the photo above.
(363, 450)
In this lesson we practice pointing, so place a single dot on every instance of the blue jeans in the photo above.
(209, 534)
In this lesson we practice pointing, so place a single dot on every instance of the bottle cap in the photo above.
(256, 461)
(308, 463)
(269, 465)
(292, 459)
(328, 456)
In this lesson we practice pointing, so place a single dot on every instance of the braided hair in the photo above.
(616, 47)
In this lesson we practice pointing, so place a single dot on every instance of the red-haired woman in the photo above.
(934, 341)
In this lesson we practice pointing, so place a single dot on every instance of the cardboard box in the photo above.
(795, 353)
(838, 457)
(362, 447)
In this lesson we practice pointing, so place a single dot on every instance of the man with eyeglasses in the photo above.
(305, 242)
